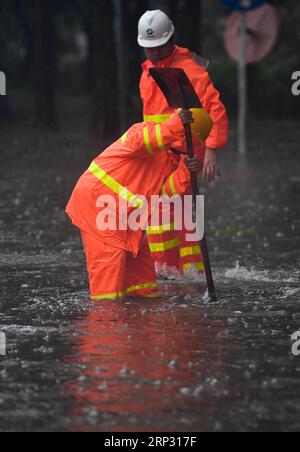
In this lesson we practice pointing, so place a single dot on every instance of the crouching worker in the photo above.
(135, 168)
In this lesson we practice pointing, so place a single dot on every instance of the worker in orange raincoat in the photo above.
(116, 185)
(156, 35)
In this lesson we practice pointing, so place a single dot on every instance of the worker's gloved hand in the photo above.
(192, 164)
(186, 116)
(211, 166)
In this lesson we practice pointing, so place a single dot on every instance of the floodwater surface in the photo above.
(175, 364)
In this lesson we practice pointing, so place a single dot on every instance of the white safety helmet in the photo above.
(155, 29)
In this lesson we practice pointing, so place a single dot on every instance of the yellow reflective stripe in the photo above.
(198, 266)
(159, 137)
(113, 185)
(147, 141)
(142, 287)
(154, 295)
(164, 246)
(115, 296)
(155, 230)
(190, 251)
(124, 137)
(164, 191)
(130, 198)
(172, 185)
(111, 296)
(157, 118)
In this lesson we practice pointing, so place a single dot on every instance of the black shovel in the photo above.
(180, 93)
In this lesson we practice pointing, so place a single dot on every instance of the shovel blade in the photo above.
(176, 87)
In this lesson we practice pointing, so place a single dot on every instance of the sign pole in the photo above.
(243, 82)
(243, 6)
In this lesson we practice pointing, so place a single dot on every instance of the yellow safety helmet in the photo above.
(203, 124)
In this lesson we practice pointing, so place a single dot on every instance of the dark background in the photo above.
(235, 370)
(61, 65)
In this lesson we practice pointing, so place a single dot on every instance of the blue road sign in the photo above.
(243, 5)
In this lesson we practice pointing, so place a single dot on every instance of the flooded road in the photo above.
(176, 364)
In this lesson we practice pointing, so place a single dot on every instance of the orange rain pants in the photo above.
(115, 273)
(172, 251)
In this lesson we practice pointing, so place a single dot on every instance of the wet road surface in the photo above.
(176, 364)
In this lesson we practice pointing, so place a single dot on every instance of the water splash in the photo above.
(171, 274)
(243, 274)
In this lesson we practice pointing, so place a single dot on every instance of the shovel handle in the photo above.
(191, 154)
(203, 242)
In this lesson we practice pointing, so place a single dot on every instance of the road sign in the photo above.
(262, 30)
(249, 37)
(243, 5)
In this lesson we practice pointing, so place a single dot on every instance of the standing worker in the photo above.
(156, 35)
(116, 185)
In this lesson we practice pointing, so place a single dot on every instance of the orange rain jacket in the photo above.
(139, 163)
(156, 108)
